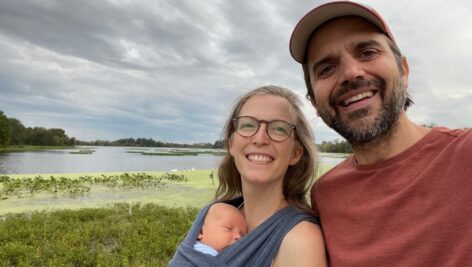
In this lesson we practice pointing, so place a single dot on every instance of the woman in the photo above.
(267, 172)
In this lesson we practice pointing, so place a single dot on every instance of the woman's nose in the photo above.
(261, 137)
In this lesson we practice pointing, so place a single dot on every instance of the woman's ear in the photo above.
(230, 145)
(297, 154)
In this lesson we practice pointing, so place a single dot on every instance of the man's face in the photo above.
(358, 87)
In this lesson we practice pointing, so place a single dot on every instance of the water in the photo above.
(108, 159)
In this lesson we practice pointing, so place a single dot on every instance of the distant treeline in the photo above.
(336, 146)
(14, 133)
(147, 142)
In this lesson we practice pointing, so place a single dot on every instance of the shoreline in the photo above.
(196, 192)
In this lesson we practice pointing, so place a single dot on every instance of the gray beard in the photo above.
(377, 130)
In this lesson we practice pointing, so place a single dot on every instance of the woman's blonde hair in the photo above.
(298, 178)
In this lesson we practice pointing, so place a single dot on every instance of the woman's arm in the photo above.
(302, 246)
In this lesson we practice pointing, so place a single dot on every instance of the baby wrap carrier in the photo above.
(257, 248)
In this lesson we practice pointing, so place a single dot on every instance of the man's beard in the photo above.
(359, 133)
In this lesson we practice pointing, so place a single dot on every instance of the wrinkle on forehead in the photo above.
(344, 31)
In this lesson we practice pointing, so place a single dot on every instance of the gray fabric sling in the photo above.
(258, 248)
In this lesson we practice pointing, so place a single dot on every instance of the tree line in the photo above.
(14, 133)
(336, 146)
(147, 142)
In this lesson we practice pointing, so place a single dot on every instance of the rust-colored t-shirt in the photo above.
(414, 209)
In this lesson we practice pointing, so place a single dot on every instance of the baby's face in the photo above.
(223, 226)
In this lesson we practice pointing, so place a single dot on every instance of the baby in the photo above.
(223, 225)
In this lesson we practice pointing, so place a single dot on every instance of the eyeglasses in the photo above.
(277, 130)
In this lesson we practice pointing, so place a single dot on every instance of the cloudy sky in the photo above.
(170, 69)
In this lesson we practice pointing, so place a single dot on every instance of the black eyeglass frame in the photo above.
(235, 122)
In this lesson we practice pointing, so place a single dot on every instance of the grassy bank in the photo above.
(121, 235)
(31, 148)
(105, 226)
(196, 191)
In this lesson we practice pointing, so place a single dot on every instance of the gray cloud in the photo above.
(170, 69)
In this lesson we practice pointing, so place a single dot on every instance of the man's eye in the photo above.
(325, 71)
(368, 54)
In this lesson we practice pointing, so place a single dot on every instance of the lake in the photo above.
(109, 159)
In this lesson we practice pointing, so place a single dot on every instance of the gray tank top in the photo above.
(257, 248)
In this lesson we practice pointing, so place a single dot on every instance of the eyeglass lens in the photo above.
(277, 130)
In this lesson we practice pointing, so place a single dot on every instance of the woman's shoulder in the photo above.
(303, 245)
(304, 234)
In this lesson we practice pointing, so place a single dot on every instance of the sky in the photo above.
(171, 69)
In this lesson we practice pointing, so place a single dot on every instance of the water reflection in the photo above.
(108, 159)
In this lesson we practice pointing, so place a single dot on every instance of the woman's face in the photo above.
(258, 158)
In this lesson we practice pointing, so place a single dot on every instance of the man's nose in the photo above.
(351, 69)
(261, 137)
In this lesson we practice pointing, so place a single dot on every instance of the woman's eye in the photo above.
(247, 126)
(280, 130)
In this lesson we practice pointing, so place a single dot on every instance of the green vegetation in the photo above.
(121, 235)
(14, 133)
(196, 191)
(31, 148)
(28, 186)
(4, 130)
(337, 146)
(178, 153)
(147, 142)
(82, 151)
(170, 153)
(144, 231)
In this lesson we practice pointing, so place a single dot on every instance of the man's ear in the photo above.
(405, 71)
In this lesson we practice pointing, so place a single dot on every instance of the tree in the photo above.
(17, 132)
(4, 129)
(335, 147)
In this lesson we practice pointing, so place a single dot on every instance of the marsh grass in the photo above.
(82, 151)
(31, 148)
(171, 153)
(120, 235)
(27, 186)
(173, 192)
(55, 229)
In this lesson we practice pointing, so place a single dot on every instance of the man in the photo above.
(404, 198)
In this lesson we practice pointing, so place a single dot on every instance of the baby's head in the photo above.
(224, 224)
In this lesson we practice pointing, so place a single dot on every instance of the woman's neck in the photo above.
(261, 202)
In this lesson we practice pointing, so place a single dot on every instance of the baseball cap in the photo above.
(328, 11)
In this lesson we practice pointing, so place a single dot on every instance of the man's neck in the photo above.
(401, 137)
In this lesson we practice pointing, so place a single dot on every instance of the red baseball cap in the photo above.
(319, 15)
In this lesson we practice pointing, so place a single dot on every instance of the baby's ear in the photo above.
(200, 235)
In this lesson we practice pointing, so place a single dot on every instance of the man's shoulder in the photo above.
(459, 138)
(346, 165)
(464, 132)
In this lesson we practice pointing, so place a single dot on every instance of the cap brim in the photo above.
(323, 13)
